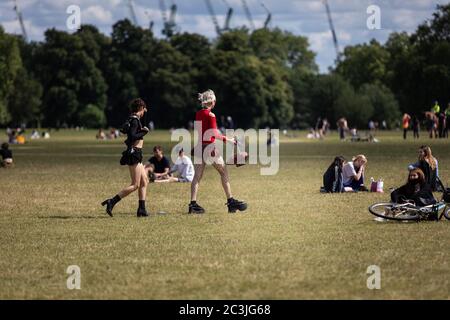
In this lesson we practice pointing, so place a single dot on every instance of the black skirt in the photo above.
(131, 157)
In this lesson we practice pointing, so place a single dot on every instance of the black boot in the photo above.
(110, 203)
(195, 208)
(142, 212)
(234, 205)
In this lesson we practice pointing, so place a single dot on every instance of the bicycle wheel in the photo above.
(447, 213)
(391, 211)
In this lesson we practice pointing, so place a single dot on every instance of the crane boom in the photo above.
(213, 17)
(269, 16)
(19, 17)
(248, 14)
(132, 12)
(333, 32)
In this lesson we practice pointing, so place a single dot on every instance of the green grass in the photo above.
(292, 243)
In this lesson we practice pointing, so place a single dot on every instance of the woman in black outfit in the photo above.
(132, 157)
(416, 189)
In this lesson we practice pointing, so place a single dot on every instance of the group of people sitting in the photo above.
(423, 178)
(158, 167)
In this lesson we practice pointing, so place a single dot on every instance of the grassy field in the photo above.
(292, 243)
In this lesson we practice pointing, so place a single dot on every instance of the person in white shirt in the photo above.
(353, 174)
(183, 165)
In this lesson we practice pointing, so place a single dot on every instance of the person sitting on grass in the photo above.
(429, 166)
(7, 157)
(353, 174)
(416, 190)
(183, 165)
(332, 178)
(158, 166)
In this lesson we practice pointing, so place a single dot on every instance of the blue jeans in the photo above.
(355, 184)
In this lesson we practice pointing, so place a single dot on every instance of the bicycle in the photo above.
(410, 212)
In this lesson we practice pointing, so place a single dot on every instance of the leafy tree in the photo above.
(10, 64)
(24, 102)
(385, 106)
(92, 117)
(363, 63)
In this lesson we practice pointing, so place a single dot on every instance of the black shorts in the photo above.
(131, 157)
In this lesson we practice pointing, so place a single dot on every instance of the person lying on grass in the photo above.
(416, 190)
(353, 174)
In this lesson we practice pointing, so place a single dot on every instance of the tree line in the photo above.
(267, 77)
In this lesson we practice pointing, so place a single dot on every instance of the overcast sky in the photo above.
(302, 17)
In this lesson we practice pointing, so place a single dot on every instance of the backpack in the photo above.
(125, 127)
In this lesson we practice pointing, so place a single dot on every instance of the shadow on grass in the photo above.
(73, 217)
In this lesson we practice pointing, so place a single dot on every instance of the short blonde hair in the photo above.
(360, 157)
(207, 98)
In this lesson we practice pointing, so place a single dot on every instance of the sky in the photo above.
(301, 17)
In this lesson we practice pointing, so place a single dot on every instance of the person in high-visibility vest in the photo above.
(436, 108)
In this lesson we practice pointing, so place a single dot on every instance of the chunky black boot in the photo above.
(142, 212)
(234, 205)
(110, 203)
(195, 208)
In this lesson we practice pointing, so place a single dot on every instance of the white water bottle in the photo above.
(380, 185)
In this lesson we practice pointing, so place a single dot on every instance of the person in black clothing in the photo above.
(416, 127)
(332, 178)
(7, 157)
(158, 166)
(132, 157)
(416, 190)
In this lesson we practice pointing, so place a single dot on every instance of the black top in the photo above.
(6, 154)
(160, 165)
(135, 133)
(421, 194)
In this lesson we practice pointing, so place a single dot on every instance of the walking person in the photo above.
(132, 157)
(405, 121)
(207, 119)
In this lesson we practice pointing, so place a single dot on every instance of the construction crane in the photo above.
(213, 17)
(132, 12)
(19, 17)
(170, 26)
(248, 14)
(226, 26)
(269, 16)
(151, 23)
(333, 32)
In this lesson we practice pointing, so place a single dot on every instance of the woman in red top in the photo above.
(208, 133)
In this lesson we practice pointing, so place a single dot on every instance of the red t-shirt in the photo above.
(208, 120)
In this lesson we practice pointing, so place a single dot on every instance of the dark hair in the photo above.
(5, 146)
(338, 161)
(157, 148)
(137, 105)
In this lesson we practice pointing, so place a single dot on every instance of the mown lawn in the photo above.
(292, 243)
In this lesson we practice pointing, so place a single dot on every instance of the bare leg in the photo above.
(222, 169)
(135, 174)
(199, 168)
(143, 182)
